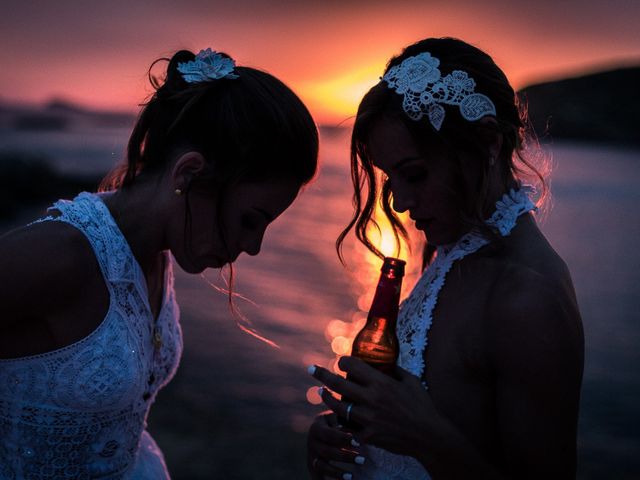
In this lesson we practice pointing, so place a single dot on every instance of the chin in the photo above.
(214, 262)
(193, 267)
(437, 238)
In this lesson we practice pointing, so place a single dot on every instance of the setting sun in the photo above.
(337, 97)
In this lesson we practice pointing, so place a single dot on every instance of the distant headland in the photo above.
(600, 107)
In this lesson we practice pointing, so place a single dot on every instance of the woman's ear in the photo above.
(492, 135)
(188, 165)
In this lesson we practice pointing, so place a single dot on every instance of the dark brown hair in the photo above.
(252, 128)
(519, 152)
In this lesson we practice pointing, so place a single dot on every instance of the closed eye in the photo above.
(411, 168)
(250, 222)
(413, 174)
(265, 214)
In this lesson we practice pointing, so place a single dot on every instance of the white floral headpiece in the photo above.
(208, 65)
(425, 90)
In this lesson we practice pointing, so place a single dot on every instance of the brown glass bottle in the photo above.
(377, 343)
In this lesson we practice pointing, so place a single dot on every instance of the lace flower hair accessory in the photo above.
(424, 89)
(208, 65)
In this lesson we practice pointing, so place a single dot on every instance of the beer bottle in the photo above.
(377, 343)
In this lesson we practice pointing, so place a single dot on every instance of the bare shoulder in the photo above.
(44, 266)
(532, 315)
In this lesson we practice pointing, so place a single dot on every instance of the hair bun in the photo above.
(174, 77)
(173, 80)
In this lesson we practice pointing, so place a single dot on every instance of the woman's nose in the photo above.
(402, 202)
(252, 246)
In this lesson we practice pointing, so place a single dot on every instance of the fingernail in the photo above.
(359, 460)
(347, 476)
(354, 442)
(311, 369)
(320, 391)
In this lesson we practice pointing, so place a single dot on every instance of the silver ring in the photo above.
(348, 415)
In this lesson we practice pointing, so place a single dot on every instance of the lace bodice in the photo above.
(414, 321)
(79, 412)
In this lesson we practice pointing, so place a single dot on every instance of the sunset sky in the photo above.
(330, 52)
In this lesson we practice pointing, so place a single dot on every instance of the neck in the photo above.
(496, 189)
(138, 214)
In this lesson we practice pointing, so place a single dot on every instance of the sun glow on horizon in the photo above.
(335, 98)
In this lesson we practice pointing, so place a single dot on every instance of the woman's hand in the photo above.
(396, 414)
(327, 444)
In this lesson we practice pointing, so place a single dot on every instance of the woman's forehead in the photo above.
(389, 142)
(392, 154)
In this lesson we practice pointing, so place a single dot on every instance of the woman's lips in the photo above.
(216, 261)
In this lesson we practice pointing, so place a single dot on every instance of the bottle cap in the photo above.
(393, 264)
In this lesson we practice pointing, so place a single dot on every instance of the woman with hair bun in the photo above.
(491, 341)
(89, 330)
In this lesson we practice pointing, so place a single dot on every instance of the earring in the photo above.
(492, 160)
(178, 191)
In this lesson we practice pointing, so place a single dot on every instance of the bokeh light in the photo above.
(313, 397)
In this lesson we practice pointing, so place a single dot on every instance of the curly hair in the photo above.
(460, 139)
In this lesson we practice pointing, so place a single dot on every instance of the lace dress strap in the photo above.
(415, 315)
(91, 216)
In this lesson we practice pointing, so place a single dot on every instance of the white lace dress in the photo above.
(80, 412)
(414, 321)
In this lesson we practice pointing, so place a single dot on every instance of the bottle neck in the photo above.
(386, 299)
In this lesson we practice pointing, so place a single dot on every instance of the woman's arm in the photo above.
(536, 346)
(43, 268)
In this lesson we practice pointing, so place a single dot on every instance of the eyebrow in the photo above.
(266, 214)
(401, 163)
